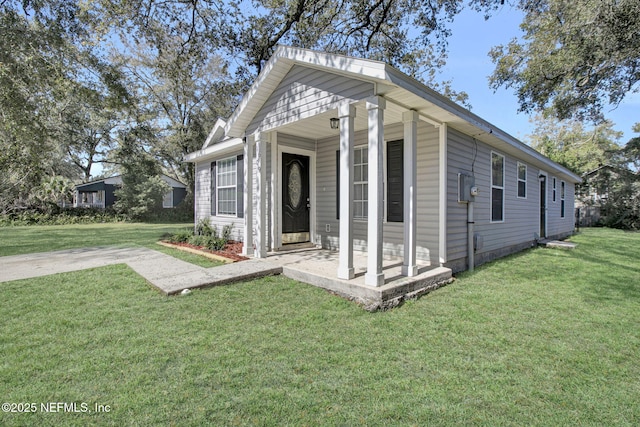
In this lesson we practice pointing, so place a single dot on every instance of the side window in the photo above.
(562, 190)
(497, 187)
(522, 180)
(226, 177)
(554, 190)
(360, 182)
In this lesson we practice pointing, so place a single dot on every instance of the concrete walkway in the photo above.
(170, 275)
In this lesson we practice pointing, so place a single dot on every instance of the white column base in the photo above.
(346, 273)
(374, 279)
(409, 270)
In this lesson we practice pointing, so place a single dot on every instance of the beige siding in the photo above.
(305, 92)
(427, 195)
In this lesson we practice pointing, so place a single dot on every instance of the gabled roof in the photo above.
(402, 90)
(216, 134)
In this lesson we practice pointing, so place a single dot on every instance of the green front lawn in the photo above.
(546, 337)
(47, 238)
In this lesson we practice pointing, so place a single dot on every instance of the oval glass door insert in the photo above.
(295, 185)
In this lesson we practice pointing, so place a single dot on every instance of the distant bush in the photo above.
(60, 216)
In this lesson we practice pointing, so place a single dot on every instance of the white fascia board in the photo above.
(215, 150)
(216, 134)
(408, 83)
(282, 60)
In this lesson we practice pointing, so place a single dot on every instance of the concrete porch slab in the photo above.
(318, 267)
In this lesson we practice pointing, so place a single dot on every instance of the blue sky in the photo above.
(469, 66)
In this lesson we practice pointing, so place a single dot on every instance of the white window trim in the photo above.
(497, 186)
(518, 179)
(553, 197)
(218, 187)
(358, 218)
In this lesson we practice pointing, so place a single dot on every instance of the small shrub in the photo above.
(181, 236)
(198, 240)
(226, 232)
(204, 228)
(217, 243)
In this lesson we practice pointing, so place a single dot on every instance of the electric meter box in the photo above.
(467, 189)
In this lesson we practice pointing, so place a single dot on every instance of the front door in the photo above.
(543, 207)
(295, 199)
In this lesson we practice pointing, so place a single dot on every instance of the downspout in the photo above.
(470, 246)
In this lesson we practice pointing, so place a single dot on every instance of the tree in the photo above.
(86, 120)
(46, 54)
(140, 196)
(182, 91)
(407, 34)
(575, 57)
(572, 145)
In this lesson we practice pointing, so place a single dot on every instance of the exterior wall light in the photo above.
(335, 123)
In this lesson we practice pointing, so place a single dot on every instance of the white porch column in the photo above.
(347, 113)
(442, 212)
(261, 140)
(375, 110)
(410, 119)
(247, 248)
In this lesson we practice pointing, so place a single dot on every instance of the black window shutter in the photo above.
(213, 189)
(395, 181)
(240, 186)
(338, 184)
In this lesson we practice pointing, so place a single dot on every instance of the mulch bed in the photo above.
(232, 250)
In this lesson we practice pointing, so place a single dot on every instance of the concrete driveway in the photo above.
(170, 275)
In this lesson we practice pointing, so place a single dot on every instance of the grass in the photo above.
(545, 337)
(46, 238)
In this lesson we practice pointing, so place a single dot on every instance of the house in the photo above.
(100, 193)
(352, 155)
(594, 191)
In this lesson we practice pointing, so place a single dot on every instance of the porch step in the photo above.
(295, 247)
(558, 244)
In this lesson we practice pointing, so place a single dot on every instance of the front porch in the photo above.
(317, 267)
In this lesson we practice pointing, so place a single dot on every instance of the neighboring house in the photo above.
(353, 155)
(101, 193)
(594, 191)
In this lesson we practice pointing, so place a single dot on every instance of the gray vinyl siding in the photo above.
(393, 237)
(557, 226)
(305, 92)
(296, 142)
(203, 201)
(521, 215)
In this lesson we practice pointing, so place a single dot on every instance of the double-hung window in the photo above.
(226, 179)
(497, 187)
(394, 183)
(522, 180)
(554, 190)
(360, 182)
